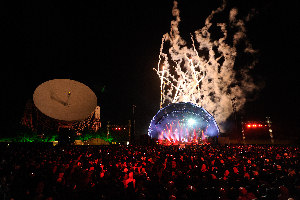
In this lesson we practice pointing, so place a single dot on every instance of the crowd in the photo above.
(30, 172)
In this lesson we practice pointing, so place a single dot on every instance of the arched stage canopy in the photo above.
(183, 122)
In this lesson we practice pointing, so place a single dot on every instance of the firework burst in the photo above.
(206, 73)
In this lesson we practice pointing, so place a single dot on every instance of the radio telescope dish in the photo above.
(65, 99)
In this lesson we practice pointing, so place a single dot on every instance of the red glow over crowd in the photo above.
(149, 172)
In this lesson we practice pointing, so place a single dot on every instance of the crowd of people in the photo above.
(40, 172)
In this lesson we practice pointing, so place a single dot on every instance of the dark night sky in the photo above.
(116, 44)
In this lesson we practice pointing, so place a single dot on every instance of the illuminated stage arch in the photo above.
(182, 122)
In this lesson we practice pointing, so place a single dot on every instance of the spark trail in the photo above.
(206, 73)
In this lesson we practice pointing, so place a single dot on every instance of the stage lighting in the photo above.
(182, 122)
(191, 122)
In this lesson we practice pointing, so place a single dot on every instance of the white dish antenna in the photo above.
(65, 99)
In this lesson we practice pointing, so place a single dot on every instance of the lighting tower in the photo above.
(243, 132)
(233, 102)
(270, 129)
(108, 126)
(133, 124)
(129, 131)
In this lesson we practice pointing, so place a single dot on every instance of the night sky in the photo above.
(113, 46)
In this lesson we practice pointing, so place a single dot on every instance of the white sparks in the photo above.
(204, 74)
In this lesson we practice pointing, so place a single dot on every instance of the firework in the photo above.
(205, 73)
